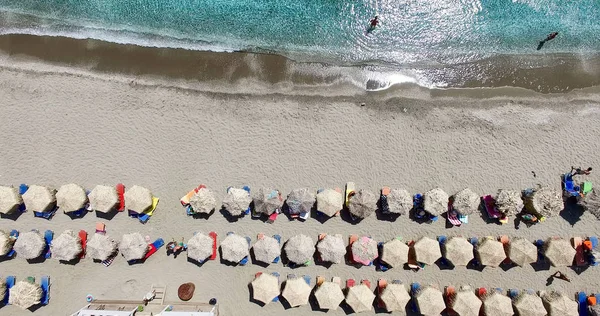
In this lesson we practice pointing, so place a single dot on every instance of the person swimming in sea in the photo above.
(550, 37)
(374, 21)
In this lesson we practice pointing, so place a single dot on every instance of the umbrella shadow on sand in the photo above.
(572, 212)
(230, 218)
(251, 296)
(347, 217)
(12, 216)
(226, 262)
(257, 262)
(195, 262)
(107, 216)
(204, 216)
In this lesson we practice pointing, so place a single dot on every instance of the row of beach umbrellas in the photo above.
(395, 297)
(301, 248)
(73, 197)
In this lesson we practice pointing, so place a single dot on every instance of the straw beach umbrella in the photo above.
(559, 251)
(465, 302)
(265, 288)
(395, 297)
(466, 201)
(329, 202)
(266, 249)
(435, 201)
(522, 251)
(591, 203)
(39, 199)
(10, 199)
(300, 249)
(237, 201)
(67, 246)
(234, 248)
(71, 197)
(133, 246)
(25, 294)
(104, 198)
(399, 201)
(544, 201)
(6, 243)
(101, 247)
(267, 201)
(200, 247)
(296, 292)
(594, 310)
(490, 252)
(30, 245)
(360, 298)
(395, 253)
(430, 301)
(3, 288)
(138, 199)
(300, 201)
(329, 295)
(364, 250)
(497, 304)
(427, 250)
(458, 251)
(558, 304)
(363, 203)
(529, 304)
(332, 248)
(203, 201)
(509, 202)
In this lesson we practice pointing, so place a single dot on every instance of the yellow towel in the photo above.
(153, 207)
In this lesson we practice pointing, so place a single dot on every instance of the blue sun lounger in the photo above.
(414, 288)
(306, 279)
(540, 246)
(15, 234)
(277, 275)
(513, 293)
(583, 305)
(379, 264)
(244, 261)
(278, 238)
(474, 241)
(45, 285)
(10, 282)
(247, 188)
(442, 240)
(48, 236)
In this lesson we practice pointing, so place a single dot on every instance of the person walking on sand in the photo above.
(550, 37)
(579, 171)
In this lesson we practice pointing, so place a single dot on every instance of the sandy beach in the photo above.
(60, 126)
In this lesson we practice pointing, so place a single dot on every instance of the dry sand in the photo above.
(61, 128)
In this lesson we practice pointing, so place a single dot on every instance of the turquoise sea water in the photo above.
(412, 31)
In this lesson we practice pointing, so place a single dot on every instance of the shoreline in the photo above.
(241, 72)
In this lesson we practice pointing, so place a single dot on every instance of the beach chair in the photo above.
(540, 246)
(319, 280)
(245, 260)
(381, 285)
(14, 234)
(379, 264)
(419, 211)
(83, 237)
(350, 190)
(383, 202)
(490, 207)
(594, 253)
(351, 240)
(121, 193)
(48, 236)
(452, 215)
(45, 285)
(215, 247)
(10, 282)
(506, 244)
(568, 186)
(586, 188)
(414, 288)
(583, 304)
(185, 200)
(366, 282)
(449, 292)
(154, 247)
(442, 240)
(481, 292)
(513, 293)
(278, 238)
(307, 279)
(100, 228)
(580, 259)
(350, 283)
(46, 215)
(145, 216)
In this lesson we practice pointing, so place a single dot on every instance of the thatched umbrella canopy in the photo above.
(400, 201)
(237, 201)
(3, 288)
(10, 199)
(267, 249)
(138, 199)
(71, 197)
(497, 304)
(203, 201)
(329, 295)
(558, 304)
(559, 251)
(458, 251)
(300, 201)
(67, 246)
(490, 252)
(544, 201)
(30, 245)
(267, 201)
(265, 288)
(427, 250)
(528, 304)
(104, 198)
(522, 251)
(39, 199)
(465, 303)
(395, 253)
(296, 292)
(25, 294)
(199, 247)
(395, 297)
(133, 246)
(332, 248)
(509, 202)
(594, 310)
(329, 202)
(435, 201)
(591, 203)
(300, 249)
(6, 243)
(364, 250)
(101, 247)
(363, 203)
(360, 298)
(234, 248)
(430, 301)
(466, 201)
